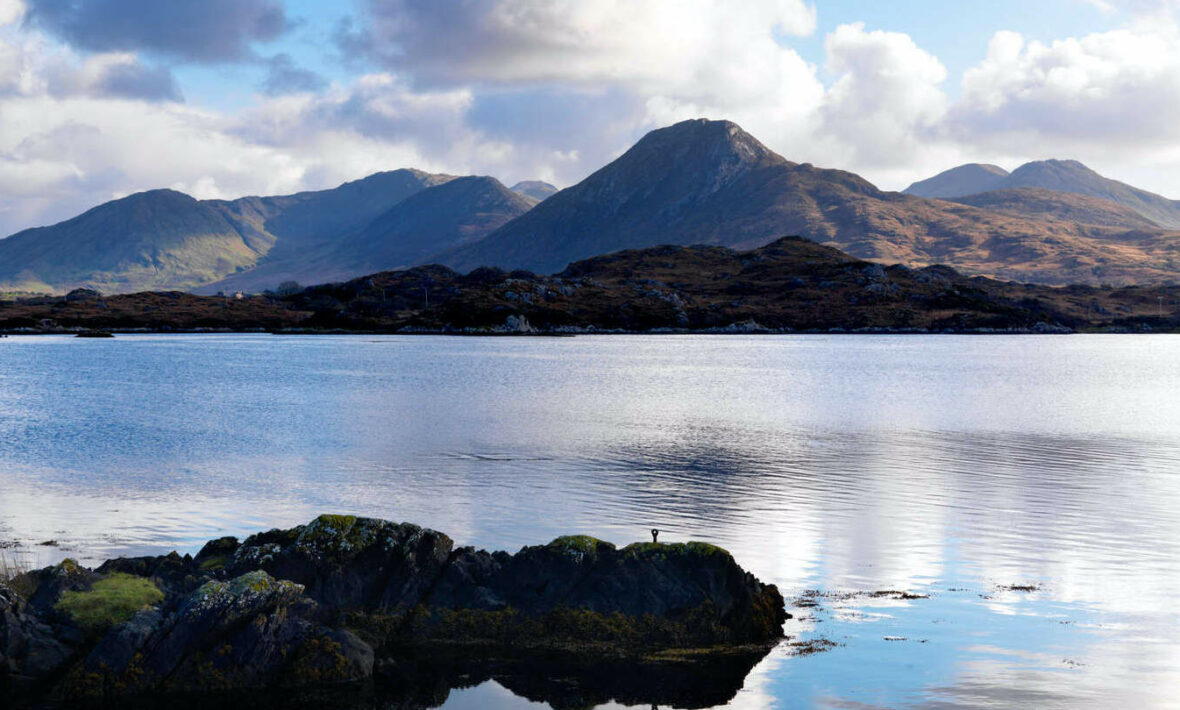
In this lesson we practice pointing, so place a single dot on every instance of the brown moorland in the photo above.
(791, 284)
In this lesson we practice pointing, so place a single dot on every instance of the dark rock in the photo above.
(253, 631)
(696, 587)
(332, 657)
(332, 600)
(50, 582)
(29, 649)
(347, 562)
(172, 573)
(217, 550)
(83, 294)
(468, 581)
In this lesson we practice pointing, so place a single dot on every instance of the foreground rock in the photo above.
(336, 599)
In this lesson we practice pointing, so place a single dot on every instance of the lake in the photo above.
(955, 467)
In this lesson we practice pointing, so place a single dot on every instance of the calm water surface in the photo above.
(949, 466)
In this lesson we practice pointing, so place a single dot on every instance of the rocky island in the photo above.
(370, 603)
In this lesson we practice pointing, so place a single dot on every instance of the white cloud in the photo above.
(608, 70)
(888, 97)
(11, 11)
(62, 154)
(524, 41)
(1107, 93)
(92, 149)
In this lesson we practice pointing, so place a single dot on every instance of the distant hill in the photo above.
(535, 189)
(453, 213)
(163, 239)
(160, 239)
(710, 182)
(307, 218)
(964, 180)
(1042, 204)
(1061, 175)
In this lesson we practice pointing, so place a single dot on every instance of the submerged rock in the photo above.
(331, 600)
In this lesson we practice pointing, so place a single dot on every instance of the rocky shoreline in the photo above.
(358, 600)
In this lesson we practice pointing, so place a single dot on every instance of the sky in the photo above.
(225, 98)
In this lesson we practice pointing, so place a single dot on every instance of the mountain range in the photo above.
(163, 239)
(710, 182)
(1068, 176)
(452, 213)
(696, 182)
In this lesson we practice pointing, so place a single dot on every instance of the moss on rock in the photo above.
(648, 550)
(580, 545)
(110, 602)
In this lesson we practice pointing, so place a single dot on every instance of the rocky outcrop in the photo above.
(31, 649)
(348, 563)
(337, 598)
(680, 593)
(252, 631)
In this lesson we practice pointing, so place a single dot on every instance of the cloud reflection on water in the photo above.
(842, 464)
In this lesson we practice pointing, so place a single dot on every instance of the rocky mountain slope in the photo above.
(1052, 205)
(456, 212)
(163, 239)
(966, 179)
(156, 239)
(710, 182)
(1060, 175)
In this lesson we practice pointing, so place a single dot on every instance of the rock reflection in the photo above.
(558, 681)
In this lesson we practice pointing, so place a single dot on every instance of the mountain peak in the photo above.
(1069, 176)
(966, 179)
(163, 194)
(1054, 166)
(536, 189)
(720, 140)
(683, 163)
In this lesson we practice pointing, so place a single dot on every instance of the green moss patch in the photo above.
(339, 534)
(648, 550)
(579, 543)
(214, 563)
(110, 602)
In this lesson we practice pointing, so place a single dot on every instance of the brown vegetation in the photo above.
(791, 284)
